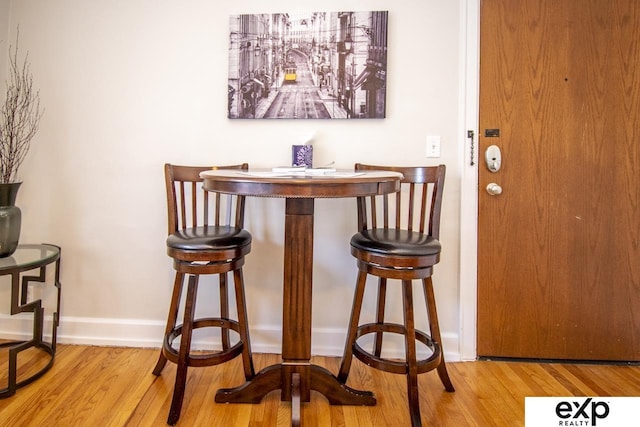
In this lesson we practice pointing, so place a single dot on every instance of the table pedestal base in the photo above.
(295, 388)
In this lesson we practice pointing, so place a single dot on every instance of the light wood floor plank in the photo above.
(114, 387)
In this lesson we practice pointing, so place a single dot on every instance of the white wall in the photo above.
(129, 85)
(4, 43)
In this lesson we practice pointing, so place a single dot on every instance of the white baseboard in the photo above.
(148, 334)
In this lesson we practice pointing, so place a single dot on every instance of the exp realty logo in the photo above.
(581, 411)
(587, 412)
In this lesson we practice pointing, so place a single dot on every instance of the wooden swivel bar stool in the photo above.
(403, 249)
(206, 236)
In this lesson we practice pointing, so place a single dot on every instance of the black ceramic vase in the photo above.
(10, 219)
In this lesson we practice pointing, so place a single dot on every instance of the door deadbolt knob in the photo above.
(493, 157)
(494, 189)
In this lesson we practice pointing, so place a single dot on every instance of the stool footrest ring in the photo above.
(396, 366)
(205, 358)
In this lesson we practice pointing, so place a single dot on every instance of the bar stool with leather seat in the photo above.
(206, 236)
(398, 241)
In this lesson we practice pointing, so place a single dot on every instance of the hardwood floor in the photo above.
(103, 386)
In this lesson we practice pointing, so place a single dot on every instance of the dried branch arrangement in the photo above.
(19, 117)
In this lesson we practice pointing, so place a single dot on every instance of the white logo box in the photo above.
(577, 411)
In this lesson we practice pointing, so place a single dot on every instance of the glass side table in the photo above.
(26, 259)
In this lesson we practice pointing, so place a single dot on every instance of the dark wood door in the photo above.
(559, 249)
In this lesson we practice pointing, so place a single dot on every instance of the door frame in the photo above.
(468, 118)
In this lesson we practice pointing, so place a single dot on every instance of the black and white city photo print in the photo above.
(319, 65)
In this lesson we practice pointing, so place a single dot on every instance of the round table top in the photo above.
(264, 182)
(28, 257)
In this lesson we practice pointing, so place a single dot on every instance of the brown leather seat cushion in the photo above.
(396, 242)
(209, 238)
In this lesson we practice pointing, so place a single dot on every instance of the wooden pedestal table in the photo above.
(295, 375)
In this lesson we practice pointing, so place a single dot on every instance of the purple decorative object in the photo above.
(302, 155)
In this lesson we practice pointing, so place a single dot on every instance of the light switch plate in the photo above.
(433, 146)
